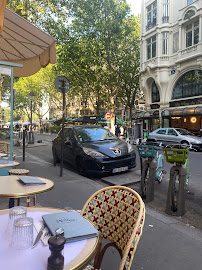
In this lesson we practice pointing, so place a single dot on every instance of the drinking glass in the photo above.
(5, 160)
(22, 237)
(14, 213)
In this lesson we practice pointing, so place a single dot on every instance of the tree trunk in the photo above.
(113, 107)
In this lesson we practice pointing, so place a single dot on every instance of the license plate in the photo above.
(121, 169)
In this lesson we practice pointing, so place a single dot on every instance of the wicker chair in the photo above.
(118, 213)
(4, 147)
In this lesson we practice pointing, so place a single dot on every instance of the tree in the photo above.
(129, 70)
(95, 53)
(48, 15)
(42, 84)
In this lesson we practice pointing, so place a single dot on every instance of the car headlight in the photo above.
(130, 148)
(92, 153)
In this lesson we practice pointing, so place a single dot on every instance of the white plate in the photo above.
(121, 169)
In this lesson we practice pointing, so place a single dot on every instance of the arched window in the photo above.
(188, 85)
(190, 13)
(155, 93)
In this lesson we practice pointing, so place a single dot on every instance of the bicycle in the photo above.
(153, 168)
(179, 177)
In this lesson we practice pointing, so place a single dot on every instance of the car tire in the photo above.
(185, 143)
(80, 166)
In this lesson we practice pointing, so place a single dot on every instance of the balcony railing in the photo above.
(151, 25)
(189, 49)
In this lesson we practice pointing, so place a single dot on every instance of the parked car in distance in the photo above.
(94, 150)
(176, 136)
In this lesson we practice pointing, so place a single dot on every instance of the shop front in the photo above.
(187, 118)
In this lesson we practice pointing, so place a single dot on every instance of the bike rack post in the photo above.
(151, 181)
(181, 194)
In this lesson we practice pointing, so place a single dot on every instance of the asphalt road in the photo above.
(193, 215)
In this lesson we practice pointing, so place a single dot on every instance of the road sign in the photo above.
(61, 82)
(108, 116)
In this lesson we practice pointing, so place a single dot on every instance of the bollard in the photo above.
(181, 192)
(151, 181)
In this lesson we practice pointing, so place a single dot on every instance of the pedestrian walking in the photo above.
(117, 130)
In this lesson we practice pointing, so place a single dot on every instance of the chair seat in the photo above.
(18, 171)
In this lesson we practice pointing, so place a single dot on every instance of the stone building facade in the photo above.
(171, 63)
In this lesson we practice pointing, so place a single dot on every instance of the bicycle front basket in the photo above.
(176, 155)
(147, 151)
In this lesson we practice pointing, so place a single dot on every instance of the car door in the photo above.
(69, 146)
(172, 136)
(160, 135)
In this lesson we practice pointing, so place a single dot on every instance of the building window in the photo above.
(151, 15)
(165, 18)
(175, 42)
(192, 34)
(151, 47)
(188, 85)
(190, 13)
(190, 1)
(155, 93)
(165, 43)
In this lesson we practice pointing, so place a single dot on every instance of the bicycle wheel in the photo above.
(144, 180)
(175, 190)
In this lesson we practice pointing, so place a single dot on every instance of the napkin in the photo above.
(44, 237)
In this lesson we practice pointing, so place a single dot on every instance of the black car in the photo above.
(94, 150)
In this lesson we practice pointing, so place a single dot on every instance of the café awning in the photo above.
(24, 50)
(23, 43)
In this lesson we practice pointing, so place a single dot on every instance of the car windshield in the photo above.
(184, 131)
(93, 134)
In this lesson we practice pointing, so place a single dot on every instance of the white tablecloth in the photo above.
(32, 258)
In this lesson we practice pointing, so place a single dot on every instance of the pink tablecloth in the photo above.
(32, 258)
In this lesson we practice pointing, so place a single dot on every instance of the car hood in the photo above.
(110, 148)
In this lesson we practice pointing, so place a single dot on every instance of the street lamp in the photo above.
(31, 135)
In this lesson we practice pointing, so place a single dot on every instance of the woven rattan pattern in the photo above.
(118, 213)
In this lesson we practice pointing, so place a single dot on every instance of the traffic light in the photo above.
(136, 102)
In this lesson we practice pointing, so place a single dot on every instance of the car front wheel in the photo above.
(80, 166)
(185, 143)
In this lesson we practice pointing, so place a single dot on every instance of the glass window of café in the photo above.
(188, 85)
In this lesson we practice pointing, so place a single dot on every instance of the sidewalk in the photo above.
(166, 243)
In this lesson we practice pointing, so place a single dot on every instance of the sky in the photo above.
(135, 6)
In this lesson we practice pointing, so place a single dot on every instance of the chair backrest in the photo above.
(4, 147)
(118, 213)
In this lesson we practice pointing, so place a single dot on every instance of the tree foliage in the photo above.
(97, 49)
(100, 52)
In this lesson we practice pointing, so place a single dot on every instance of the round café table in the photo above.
(6, 165)
(11, 187)
(3, 155)
(76, 254)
